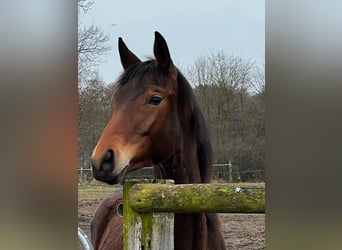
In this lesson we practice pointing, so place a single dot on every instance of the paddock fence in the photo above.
(225, 172)
(149, 207)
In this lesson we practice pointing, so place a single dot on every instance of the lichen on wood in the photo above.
(146, 231)
(194, 198)
(149, 207)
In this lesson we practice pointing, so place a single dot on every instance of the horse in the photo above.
(156, 121)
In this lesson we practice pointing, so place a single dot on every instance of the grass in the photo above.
(95, 191)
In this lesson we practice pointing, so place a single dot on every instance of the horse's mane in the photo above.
(190, 114)
(198, 125)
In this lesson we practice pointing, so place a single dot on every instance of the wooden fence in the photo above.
(225, 172)
(149, 207)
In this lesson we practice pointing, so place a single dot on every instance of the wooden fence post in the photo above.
(230, 171)
(147, 231)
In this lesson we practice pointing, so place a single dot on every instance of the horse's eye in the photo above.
(155, 100)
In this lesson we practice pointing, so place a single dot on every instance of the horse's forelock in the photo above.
(139, 71)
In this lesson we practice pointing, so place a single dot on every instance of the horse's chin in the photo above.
(136, 164)
(120, 178)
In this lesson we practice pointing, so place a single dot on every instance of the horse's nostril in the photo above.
(108, 156)
(107, 163)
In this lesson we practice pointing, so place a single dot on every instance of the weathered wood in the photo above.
(230, 170)
(148, 231)
(132, 223)
(162, 231)
(194, 198)
(149, 208)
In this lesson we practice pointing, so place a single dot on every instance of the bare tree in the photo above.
(92, 44)
(94, 99)
(84, 5)
(230, 92)
(258, 85)
(94, 113)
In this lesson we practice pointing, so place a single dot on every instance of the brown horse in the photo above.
(156, 121)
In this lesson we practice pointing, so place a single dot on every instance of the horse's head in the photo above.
(144, 128)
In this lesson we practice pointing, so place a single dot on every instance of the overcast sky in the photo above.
(191, 28)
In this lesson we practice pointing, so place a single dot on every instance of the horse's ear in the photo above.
(127, 57)
(162, 54)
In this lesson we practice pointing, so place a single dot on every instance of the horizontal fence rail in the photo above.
(149, 207)
(195, 198)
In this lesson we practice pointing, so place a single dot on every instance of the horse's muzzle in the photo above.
(103, 169)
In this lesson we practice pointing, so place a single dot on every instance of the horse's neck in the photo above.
(182, 165)
(187, 168)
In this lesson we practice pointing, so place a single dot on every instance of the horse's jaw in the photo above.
(114, 179)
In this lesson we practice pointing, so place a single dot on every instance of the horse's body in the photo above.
(156, 120)
(106, 226)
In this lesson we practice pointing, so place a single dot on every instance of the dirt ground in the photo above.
(241, 231)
